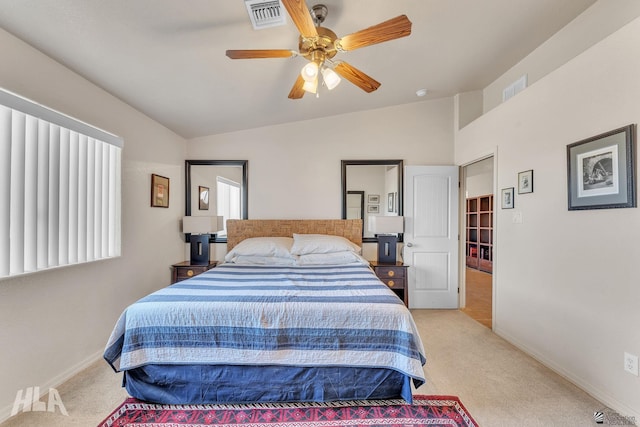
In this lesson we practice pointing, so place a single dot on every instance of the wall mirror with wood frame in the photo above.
(216, 188)
(377, 185)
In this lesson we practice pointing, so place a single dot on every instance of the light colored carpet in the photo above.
(498, 384)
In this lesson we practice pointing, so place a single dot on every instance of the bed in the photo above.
(293, 314)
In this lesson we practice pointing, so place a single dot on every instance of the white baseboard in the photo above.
(55, 382)
(605, 398)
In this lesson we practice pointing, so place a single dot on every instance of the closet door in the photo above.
(431, 235)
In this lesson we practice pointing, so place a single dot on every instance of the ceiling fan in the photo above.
(319, 45)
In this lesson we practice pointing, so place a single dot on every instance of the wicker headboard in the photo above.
(240, 229)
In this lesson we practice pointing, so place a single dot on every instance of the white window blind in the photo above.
(59, 189)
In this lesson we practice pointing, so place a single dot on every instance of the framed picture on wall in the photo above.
(373, 198)
(159, 191)
(391, 204)
(507, 198)
(601, 171)
(525, 182)
(373, 208)
(203, 198)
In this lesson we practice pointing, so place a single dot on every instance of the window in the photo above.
(59, 189)
(229, 204)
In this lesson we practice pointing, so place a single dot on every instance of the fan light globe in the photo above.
(311, 86)
(309, 72)
(330, 77)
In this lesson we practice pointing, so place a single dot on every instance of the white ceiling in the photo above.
(167, 58)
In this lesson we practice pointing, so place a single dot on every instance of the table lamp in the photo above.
(201, 228)
(386, 229)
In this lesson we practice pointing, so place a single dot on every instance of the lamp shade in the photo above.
(330, 77)
(309, 72)
(311, 86)
(386, 224)
(202, 224)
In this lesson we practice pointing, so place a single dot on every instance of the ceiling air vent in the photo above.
(265, 13)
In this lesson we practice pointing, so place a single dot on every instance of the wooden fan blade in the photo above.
(392, 29)
(356, 77)
(260, 53)
(297, 91)
(301, 17)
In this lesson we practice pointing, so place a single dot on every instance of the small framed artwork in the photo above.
(373, 198)
(159, 191)
(507, 198)
(525, 182)
(203, 198)
(601, 171)
(391, 202)
(373, 208)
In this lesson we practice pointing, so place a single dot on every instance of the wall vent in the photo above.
(515, 87)
(265, 13)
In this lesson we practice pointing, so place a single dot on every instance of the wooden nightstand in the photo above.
(185, 270)
(394, 276)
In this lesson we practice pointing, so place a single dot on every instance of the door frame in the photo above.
(462, 265)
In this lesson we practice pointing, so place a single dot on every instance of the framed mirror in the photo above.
(216, 188)
(377, 184)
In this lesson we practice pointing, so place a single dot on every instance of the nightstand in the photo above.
(394, 276)
(185, 270)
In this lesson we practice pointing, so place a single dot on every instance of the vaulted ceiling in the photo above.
(167, 58)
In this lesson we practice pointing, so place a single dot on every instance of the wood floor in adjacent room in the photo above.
(478, 296)
(498, 384)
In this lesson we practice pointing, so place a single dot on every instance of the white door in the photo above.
(431, 235)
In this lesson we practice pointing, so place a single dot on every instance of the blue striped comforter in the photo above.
(271, 315)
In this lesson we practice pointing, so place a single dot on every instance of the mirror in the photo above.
(355, 205)
(377, 185)
(216, 187)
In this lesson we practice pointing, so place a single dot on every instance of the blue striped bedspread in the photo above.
(271, 315)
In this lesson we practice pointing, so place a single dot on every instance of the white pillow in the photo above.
(262, 260)
(333, 258)
(262, 246)
(321, 244)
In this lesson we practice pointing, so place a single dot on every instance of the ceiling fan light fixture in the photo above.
(311, 86)
(330, 77)
(319, 45)
(310, 72)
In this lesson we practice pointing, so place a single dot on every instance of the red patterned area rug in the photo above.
(425, 411)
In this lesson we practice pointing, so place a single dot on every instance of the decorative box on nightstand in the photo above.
(394, 276)
(185, 270)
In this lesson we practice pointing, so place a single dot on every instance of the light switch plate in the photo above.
(517, 217)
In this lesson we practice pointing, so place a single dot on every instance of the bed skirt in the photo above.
(197, 384)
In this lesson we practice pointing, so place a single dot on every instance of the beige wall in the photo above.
(566, 289)
(54, 322)
(600, 20)
(295, 169)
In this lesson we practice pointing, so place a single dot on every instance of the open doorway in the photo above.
(479, 242)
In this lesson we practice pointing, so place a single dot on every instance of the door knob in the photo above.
(409, 245)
